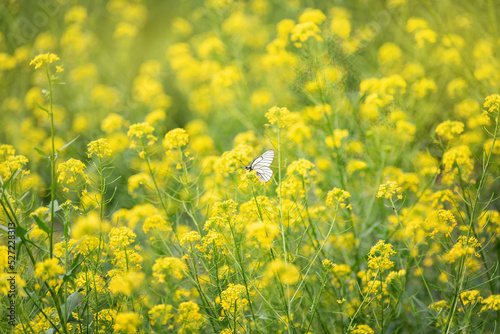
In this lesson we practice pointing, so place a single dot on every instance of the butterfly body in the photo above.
(261, 166)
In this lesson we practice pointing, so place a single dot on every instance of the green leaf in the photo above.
(71, 303)
(20, 232)
(41, 152)
(41, 224)
(67, 144)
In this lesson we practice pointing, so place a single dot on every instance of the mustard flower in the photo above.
(127, 260)
(460, 156)
(86, 225)
(112, 123)
(302, 167)
(140, 132)
(156, 223)
(336, 139)
(120, 237)
(491, 106)
(106, 318)
(11, 165)
(44, 59)
(341, 27)
(390, 189)
(94, 281)
(211, 241)
(302, 31)
(126, 283)
(48, 269)
(233, 299)
(285, 273)
(449, 129)
(336, 197)
(188, 317)
(362, 329)
(126, 323)
(189, 237)
(461, 248)
(355, 165)
(312, 15)
(439, 305)
(491, 303)
(470, 297)
(170, 266)
(281, 116)
(378, 257)
(424, 86)
(175, 138)
(160, 314)
(99, 147)
(70, 172)
(264, 233)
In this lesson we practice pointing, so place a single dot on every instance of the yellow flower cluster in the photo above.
(389, 189)
(43, 59)
(72, 172)
(336, 197)
(171, 266)
(280, 116)
(100, 148)
(175, 139)
(449, 129)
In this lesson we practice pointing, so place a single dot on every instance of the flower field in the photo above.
(126, 127)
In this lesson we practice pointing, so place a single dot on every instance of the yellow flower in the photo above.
(303, 167)
(471, 297)
(127, 283)
(312, 15)
(457, 157)
(170, 266)
(71, 172)
(264, 233)
(378, 257)
(188, 316)
(126, 323)
(491, 105)
(160, 314)
(336, 139)
(362, 329)
(175, 138)
(233, 299)
(120, 237)
(461, 248)
(99, 147)
(389, 54)
(355, 165)
(449, 129)
(43, 59)
(389, 189)
(281, 116)
(302, 31)
(338, 196)
(48, 269)
(492, 303)
(189, 237)
(140, 132)
(156, 223)
(285, 273)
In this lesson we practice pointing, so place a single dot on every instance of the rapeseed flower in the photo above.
(44, 59)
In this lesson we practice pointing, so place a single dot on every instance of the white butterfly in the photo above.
(261, 166)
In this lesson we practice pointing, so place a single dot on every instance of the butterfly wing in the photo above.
(264, 173)
(261, 166)
(264, 160)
